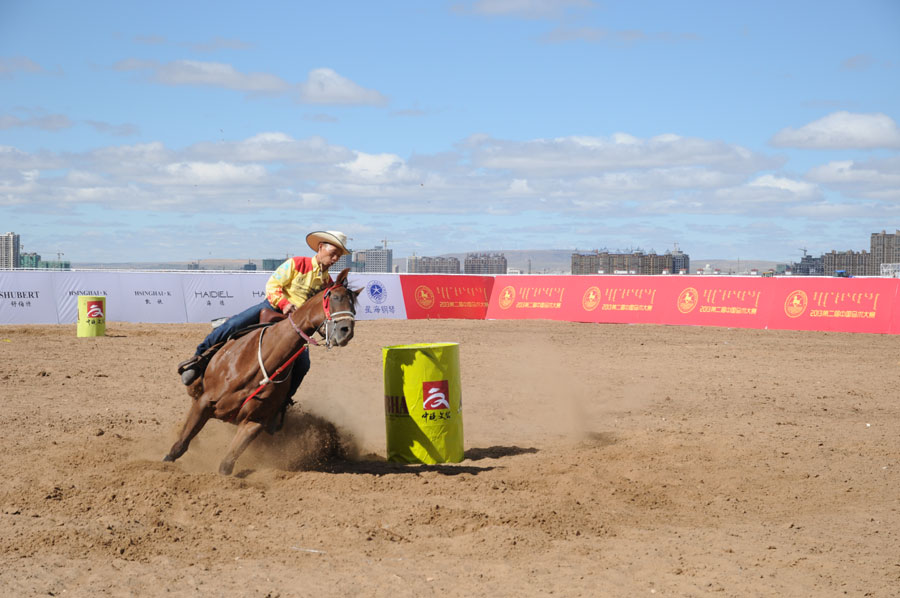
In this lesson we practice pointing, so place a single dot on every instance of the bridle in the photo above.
(332, 318)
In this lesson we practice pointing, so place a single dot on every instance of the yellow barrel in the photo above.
(423, 403)
(91, 315)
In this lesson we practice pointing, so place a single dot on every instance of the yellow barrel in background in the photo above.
(423, 403)
(91, 315)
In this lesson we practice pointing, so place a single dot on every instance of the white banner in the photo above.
(27, 298)
(380, 297)
(67, 286)
(211, 296)
(152, 297)
(51, 297)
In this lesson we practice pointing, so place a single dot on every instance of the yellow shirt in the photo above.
(295, 281)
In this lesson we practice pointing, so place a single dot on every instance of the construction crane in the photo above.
(803, 249)
(386, 241)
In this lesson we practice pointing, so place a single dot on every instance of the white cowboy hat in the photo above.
(333, 237)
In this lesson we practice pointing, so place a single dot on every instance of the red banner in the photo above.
(838, 304)
(446, 296)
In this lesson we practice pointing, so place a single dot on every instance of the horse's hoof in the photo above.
(168, 458)
(225, 469)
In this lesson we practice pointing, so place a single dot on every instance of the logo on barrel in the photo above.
(435, 395)
(424, 297)
(687, 300)
(795, 304)
(507, 297)
(591, 299)
(94, 309)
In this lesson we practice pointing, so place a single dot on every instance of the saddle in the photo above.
(267, 317)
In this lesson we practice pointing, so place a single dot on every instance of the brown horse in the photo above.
(243, 366)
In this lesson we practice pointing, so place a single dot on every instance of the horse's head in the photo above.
(340, 311)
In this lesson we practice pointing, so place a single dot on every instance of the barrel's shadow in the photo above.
(375, 465)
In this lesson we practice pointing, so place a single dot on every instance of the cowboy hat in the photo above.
(332, 237)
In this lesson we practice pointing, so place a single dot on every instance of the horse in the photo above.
(237, 387)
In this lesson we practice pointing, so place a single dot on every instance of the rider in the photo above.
(289, 287)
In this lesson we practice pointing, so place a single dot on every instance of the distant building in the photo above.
(638, 262)
(249, 267)
(485, 263)
(57, 265)
(193, 266)
(271, 264)
(374, 260)
(345, 261)
(885, 249)
(432, 265)
(852, 263)
(9, 251)
(810, 266)
(29, 260)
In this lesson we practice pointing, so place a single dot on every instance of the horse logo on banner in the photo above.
(687, 300)
(591, 299)
(507, 297)
(424, 297)
(795, 304)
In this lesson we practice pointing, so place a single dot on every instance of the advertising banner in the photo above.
(733, 301)
(537, 297)
(27, 298)
(432, 296)
(211, 296)
(380, 296)
(68, 286)
(834, 304)
(152, 297)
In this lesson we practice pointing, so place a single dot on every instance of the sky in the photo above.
(160, 131)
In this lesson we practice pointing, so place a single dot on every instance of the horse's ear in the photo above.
(342, 277)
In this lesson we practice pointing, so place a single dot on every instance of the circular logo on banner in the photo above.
(376, 291)
(507, 297)
(687, 300)
(424, 297)
(591, 299)
(795, 304)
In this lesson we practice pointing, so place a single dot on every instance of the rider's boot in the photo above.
(190, 370)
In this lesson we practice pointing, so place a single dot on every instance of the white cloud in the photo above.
(529, 9)
(798, 188)
(873, 179)
(573, 155)
(380, 168)
(123, 130)
(324, 86)
(273, 147)
(217, 74)
(18, 64)
(210, 74)
(49, 122)
(600, 35)
(842, 130)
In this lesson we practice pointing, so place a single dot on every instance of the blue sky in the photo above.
(196, 130)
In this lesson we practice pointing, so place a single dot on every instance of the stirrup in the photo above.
(188, 364)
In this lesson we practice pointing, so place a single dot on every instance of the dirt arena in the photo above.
(602, 460)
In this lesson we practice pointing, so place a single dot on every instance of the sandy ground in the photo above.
(602, 460)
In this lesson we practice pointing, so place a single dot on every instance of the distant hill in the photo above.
(535, 261)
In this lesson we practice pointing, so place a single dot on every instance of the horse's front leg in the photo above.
(198, 415)
(246, 431)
